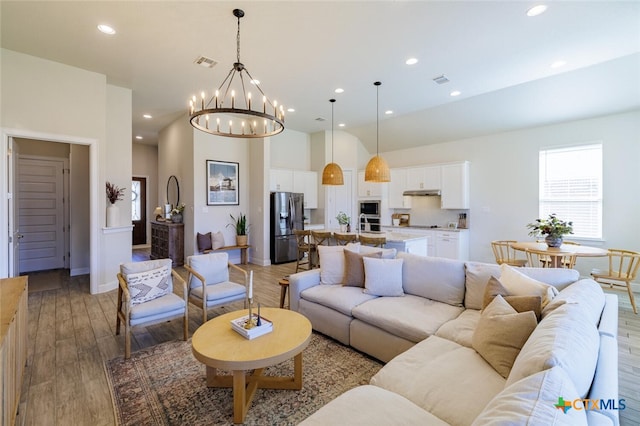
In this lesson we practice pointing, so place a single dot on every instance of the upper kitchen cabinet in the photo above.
(281, 180)
(455, 186)
(397, 186)
(307, 183)
(423, 177)
(369, 189)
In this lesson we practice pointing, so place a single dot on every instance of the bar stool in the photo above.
(321, 238)
(284, 285)
(344, 239)
(306, 248)
(372, 241)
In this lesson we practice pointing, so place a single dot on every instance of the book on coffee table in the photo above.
(239, 324)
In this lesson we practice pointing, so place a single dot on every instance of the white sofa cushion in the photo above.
(341, 298)
(460, 330)
(558, 338)
(332, 262)
(411, 317)
(586, 295)
(557, 277)
(534, 398)
(477, 275)
(450, 381)
(500, 334)
(371, 405)
(519, 284)
(435, 278)
(383, 277)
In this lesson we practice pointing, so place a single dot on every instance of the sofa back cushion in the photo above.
(435, 278)
(557, 340)
(332, 262)
(586, 295)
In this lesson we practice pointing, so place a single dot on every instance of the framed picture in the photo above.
(222, 183)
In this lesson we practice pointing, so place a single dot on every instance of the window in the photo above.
(135, 200)
(571, 187)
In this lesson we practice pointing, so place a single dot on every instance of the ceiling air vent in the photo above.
(441, 79)
(205, 62)
(321, 119)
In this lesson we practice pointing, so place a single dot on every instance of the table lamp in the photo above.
(158, 213)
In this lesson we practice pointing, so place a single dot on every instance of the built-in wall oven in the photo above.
(369, 217)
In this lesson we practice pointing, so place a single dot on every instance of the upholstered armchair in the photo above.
(145, 296)
(209, 284)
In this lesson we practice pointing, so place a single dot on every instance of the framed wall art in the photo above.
(222, 183)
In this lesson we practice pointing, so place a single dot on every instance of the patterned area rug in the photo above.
(166, 385)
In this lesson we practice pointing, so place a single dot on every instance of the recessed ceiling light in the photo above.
(455, 93)
(147, 116)
(558, 64)
(106, 29)
(388, 112)
(339, 90)
(291, 109)
(255, 81)
(139, 137)
(537, 10)
(411, 61)
(341, 125)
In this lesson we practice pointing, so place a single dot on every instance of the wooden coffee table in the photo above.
(217, 346)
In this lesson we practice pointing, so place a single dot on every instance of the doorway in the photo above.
(139, 210)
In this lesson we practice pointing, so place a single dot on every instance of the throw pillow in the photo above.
(501, 333)
(354, 267)
(519, 303)
(332, 262)
(383, 277)
(149, 285)
(204, 241)
(519, 284)
(217, 240)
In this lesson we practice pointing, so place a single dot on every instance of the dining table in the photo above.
(557, 253)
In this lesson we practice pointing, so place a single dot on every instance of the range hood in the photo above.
(421, 192)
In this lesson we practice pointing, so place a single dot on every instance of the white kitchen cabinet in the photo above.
(397, 186)
(281, 180)
(452, 244)
(369, 189)
(423, 177)
(307, 183)
(455, 186)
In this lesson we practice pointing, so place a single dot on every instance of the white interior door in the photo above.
(14, 226)
(40, 214)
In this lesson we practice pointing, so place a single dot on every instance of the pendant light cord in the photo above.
(377, 84)
(332, 149)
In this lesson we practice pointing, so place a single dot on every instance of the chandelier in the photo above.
(231, 113)
(377, 169)
(332, 173)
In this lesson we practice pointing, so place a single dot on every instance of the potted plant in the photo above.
(553, 228)
(343, 221)
(176, 213)
(241, 226)
(114, 193)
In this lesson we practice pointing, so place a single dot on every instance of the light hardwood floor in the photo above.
(72, 333)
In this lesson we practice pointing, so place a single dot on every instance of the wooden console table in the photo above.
(167, 242)
(13, 345)
(243, 252)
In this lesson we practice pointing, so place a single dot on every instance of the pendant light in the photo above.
(332, 173)
(377, 169)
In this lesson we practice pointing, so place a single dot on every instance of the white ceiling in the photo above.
(301, 51)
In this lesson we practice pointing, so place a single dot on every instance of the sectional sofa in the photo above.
(445, 340)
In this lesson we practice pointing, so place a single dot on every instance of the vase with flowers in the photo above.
(176, 213)
(114, 193)
(343, 221)
(552, 228)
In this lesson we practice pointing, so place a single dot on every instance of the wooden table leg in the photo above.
(239, 396)
(297, 371)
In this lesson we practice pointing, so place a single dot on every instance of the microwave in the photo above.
(370, 208)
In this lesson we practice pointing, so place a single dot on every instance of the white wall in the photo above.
(290, 150)
(504, 179)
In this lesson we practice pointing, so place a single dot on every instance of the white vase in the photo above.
(112, 215)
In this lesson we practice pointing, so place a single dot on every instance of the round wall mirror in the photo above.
(173, 191)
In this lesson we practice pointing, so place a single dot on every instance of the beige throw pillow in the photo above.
(520, 303)
(217, 240)
(519, 284)
(501, 333)
(354, 267)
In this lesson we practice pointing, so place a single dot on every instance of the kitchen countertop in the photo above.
(423, 228)
(395, 237)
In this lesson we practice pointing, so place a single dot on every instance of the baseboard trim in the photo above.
(79, 271)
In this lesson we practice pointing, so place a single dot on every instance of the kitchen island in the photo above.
(410, 243)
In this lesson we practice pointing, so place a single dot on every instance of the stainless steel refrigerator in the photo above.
(286, 215)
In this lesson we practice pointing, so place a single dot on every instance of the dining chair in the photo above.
(504, 253)
(145, 296)
(541, 259)
(320, 238)
(344, 239)
(306, 248)
(209, 282)
(623, 267)
(372, 241)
